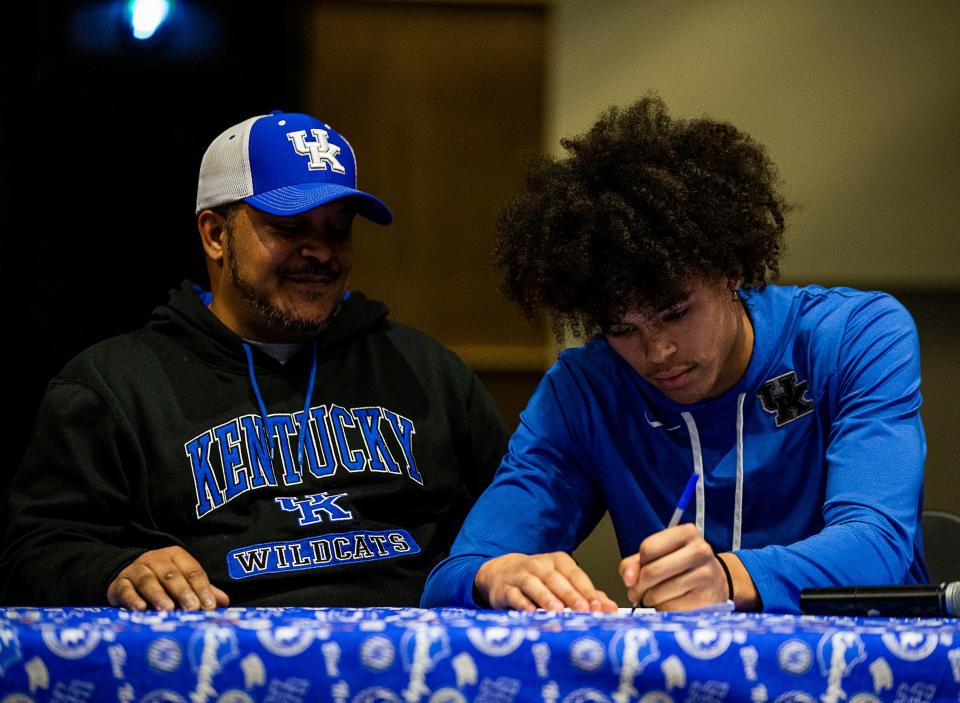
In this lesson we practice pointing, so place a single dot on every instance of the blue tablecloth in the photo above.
(384, 655)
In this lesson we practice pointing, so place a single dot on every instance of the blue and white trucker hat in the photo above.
(283, 163)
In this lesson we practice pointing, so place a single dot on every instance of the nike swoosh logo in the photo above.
(656, 424)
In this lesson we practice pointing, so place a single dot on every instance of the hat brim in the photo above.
(293, 200)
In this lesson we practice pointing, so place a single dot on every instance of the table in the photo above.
(409, 655)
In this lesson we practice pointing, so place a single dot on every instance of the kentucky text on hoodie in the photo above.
(233, 458)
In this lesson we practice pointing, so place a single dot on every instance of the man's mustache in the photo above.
(324, 270)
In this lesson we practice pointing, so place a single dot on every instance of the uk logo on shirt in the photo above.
(785, 397)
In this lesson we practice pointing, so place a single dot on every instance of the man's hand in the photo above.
(165, 579)
(675, 569)
(529, 581)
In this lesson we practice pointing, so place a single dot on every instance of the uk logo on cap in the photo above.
(320, 151)
(283, 164)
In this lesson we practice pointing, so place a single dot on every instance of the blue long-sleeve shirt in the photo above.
(812, 464)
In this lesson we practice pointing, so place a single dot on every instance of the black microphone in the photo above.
(919, 600)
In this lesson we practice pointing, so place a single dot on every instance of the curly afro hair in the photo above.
(642, 205)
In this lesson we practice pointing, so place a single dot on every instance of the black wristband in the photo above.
(726, 572)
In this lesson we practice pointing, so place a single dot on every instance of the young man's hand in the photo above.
(165, 579)
(676, 569)
(551, 581)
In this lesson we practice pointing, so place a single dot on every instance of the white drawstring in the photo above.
(697, 465)
(738, 499)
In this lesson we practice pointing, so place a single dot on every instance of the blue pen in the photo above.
(681, 506)
(684, 500)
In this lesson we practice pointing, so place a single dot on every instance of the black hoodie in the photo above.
(156, 438)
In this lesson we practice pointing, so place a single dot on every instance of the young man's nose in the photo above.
(658, 348)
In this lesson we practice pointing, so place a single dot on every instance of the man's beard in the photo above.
(270, 313)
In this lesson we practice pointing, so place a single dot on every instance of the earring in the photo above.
(736, 296)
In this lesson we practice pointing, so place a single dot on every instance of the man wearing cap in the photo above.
(274, 441)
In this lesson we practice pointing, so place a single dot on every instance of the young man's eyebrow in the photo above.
(679, 300)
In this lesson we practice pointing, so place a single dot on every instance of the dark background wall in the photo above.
(100, 144)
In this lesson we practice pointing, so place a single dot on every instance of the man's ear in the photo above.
(213, 230)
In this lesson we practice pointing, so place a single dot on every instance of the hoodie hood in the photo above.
(767, 321)
(188, 321)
